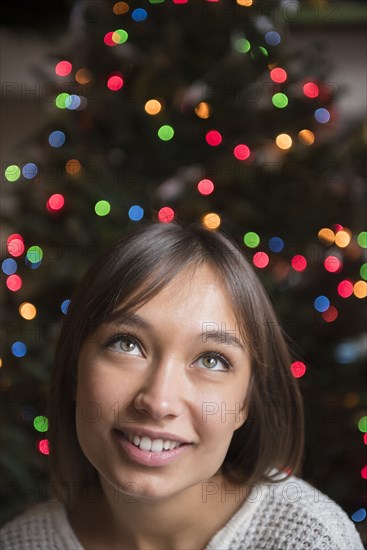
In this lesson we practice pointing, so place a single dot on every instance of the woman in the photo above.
(175, 421)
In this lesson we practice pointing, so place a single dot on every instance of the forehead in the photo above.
(200, 293)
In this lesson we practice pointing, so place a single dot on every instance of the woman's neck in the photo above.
(188, 519)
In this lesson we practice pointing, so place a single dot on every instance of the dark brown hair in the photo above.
(133, 270)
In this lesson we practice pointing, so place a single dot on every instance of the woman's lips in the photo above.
(149, 458)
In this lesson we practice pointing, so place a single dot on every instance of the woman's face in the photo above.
(161, 378)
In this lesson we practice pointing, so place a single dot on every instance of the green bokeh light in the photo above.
(242, 45)
(34, 254)
(61, 99)
(362, 424)
(102, 208)
(40, 423)
(166, 132)
(363, 271)
(12, 172)
(122, 36)
(362, 239)
(251, 239)
(280, 100)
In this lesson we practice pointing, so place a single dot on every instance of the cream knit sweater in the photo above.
(291, 515)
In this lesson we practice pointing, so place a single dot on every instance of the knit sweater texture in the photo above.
(290, 515)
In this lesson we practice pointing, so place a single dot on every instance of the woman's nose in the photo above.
(162, 391)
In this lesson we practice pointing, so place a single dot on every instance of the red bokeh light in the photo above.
(345, 288)
(299, 262)
(166, 214)
(298, 369)
(311, 90)
(14, 282)
(278, 75)
(241, 152)
(205, 187)
(63, 68)
(260, 259)
(213, 138)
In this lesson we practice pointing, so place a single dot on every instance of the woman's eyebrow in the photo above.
(222, 337)
(129, 318)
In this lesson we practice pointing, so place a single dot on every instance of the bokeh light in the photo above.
(299, 262)
(14, 282)
(102, 208)
(342, 238)
(56, 139)
(284, 141)
(12, 172)
(273, 38)
(120, 8)
(278, 75)
(251, 239)
(326, 236)
(19, 349)
(135, 213)
(120, 36)
(27, 311)
(213, 138)
(139, 14)
(63, 68)
(333, 264)
(306, 137)
(211, 220)
(364, 472)
(298, 369)
(280, 100)
(260, 259)
(363, 271)
(40, 423)
(83, 76)
(245, 3)
(345, 288)
(311, 90)
(44, 447)
(73, 167)
(153, 107)
(330, 314)
(205, 187)
(242, 45)
(34, 254)
(9, 266)
(241, 152)
(203, 110)
(360, 289)
(362, 239)
(72, 102)
(321, 303)
(65, 306)
(322, 115)
(276, 244)
(108, 40)
(115, 82)
(15, 246)
(166, 132)
(359, 515)
(362, 424)
(55, 202)
(60, 100)
(30, 170)
(166, 214)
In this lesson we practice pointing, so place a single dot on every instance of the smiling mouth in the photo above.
(152, 445)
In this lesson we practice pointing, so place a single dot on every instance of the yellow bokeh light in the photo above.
(342, 238)
(211, 220)
(203, 110)
(326, 236)
(27, 311)
(73, 167)
(246, 3)
(306, 137)
(284, 141)
(83, 76)
(120, 8)
(360, 289)
(1, 363)
(153, 107)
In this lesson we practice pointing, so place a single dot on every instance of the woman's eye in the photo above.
(215, 361)
(124, 344)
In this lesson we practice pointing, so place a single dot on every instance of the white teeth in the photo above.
(155, 445)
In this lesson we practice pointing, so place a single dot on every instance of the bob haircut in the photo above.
(133, 270)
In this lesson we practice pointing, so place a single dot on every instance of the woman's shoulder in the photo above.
(43, 525)
(286, 515)
(294, 514)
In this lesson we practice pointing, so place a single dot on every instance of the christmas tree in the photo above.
(192, 111)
